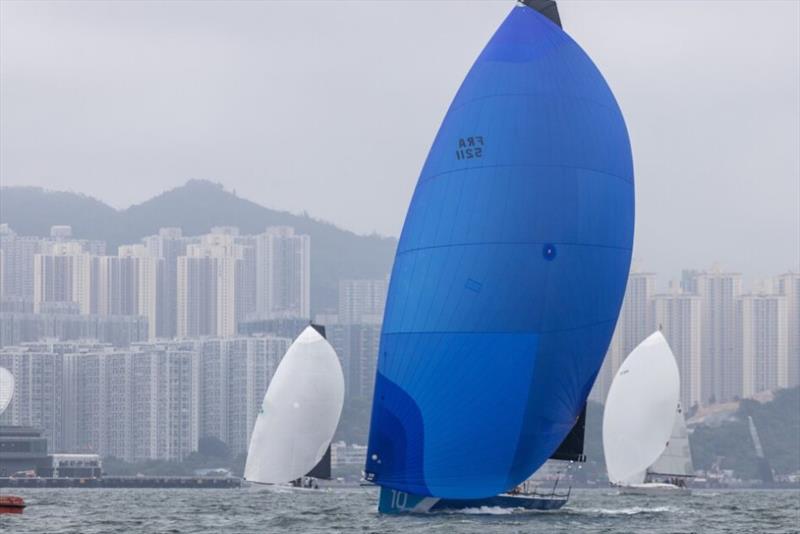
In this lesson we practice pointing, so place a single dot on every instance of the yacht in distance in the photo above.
(645, 440)
(292, 435)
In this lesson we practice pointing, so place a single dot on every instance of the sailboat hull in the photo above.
(653, 488)
(398, 502)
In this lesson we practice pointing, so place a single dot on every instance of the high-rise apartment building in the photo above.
(788, 285)
(283, 274)
(142, 279)
(17, 265)
(135, 404)
(362, 301)
(62, 275)
(168, 245)
(209, 276)
(357, 346)
(763, 342)
(722, 363)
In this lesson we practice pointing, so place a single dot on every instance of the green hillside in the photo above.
(196, 207)
(778, 425)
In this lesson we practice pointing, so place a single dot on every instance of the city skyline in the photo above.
(99, 370)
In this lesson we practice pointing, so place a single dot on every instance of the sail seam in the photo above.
(495, 332)
(482, 243)
(511, 165)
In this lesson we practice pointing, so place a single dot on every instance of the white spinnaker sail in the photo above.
(676, 460)
(300, 412)
(6, 388)
(640, 410)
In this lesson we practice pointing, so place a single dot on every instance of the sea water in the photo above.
(354, 510)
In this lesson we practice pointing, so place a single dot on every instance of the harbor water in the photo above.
(91, 511)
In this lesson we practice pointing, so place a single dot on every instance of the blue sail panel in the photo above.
(509, 274)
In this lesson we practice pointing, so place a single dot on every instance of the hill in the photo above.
(196, 207)
(729, 443)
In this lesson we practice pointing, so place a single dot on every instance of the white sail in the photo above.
(676, 460)
(6, 388)
(300, 412)
(640, 410)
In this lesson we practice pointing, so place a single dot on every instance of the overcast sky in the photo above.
(330, 108)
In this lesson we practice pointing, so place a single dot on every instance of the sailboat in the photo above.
(645, 440)
(507, 280)
(292, 435)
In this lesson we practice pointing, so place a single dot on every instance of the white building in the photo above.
(761, 322)
(283, 274)
(144, 272)
(362, 301)
(17, 264)
(135, 404)
(168, 245)
(722, 364)
(62, 275)
(788, 285)
(208, 277)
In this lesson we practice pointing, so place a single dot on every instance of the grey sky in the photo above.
(330, 107)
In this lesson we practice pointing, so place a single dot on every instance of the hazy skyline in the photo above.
(330, 108)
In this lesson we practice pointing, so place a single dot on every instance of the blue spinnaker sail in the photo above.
(509, 273)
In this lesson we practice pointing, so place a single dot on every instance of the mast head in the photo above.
(547, 8)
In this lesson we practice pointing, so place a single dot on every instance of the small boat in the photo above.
(508, 277)
(10, 504)
(645, 439)
(291, 439)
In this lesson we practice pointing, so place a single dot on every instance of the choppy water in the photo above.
(353, 510)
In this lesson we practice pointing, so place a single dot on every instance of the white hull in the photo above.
(653, 488)
(318, 485)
